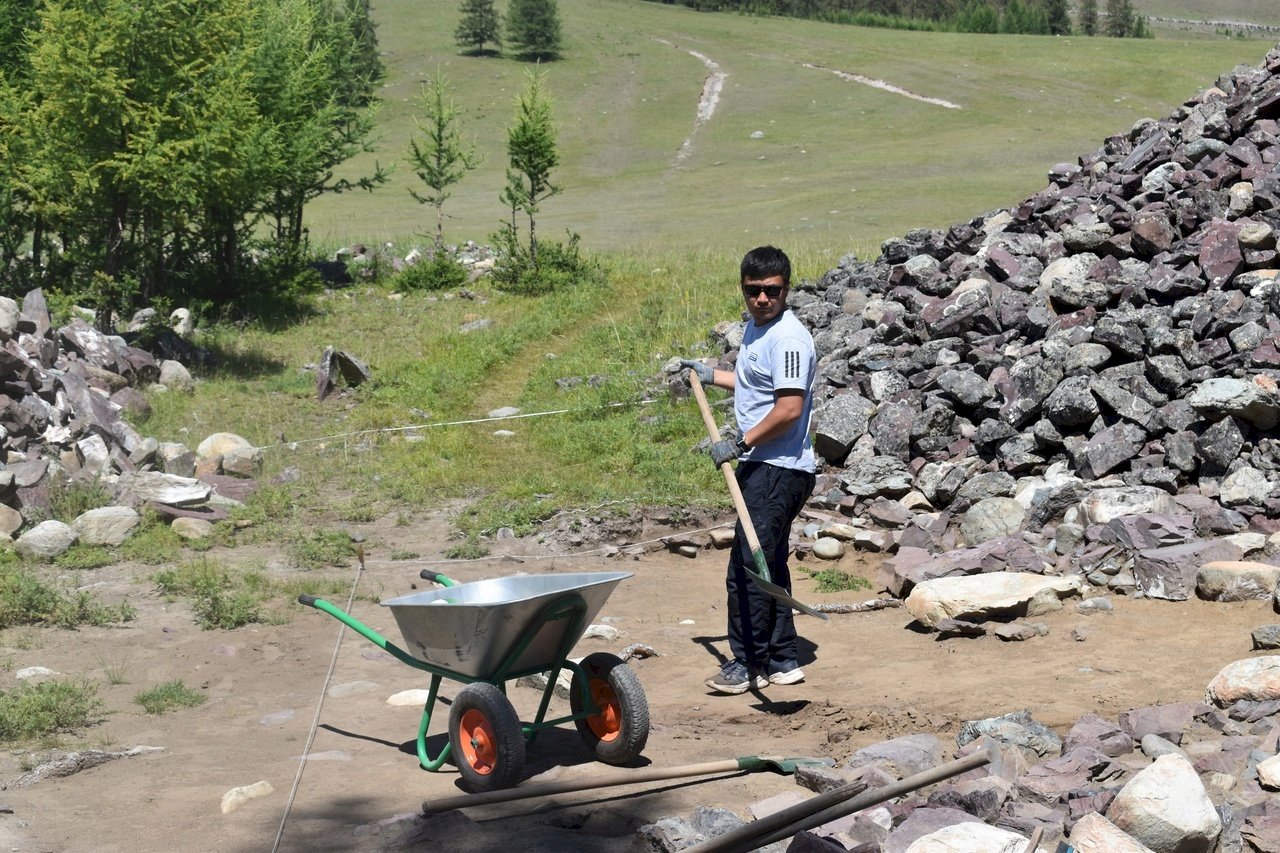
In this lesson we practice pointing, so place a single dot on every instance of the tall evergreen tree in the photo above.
(1089, 17)
(438, 155)
(1119, 18)
(533, 29)
(532, 153)
(479, 26)
(1059, 17)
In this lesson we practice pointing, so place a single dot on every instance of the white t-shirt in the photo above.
(774, 356)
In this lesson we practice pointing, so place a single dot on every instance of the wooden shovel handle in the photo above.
(545, 789)
(713, 432)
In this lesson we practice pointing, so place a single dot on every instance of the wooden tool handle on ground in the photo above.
(545, 789)
(713, 432)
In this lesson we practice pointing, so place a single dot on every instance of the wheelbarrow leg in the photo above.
(427, 762)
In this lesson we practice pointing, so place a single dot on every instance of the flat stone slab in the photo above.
(973, 597)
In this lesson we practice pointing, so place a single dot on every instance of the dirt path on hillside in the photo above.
(870, 677)
(707, 100)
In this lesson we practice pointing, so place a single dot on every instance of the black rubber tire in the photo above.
(486, 738)
(619, 733)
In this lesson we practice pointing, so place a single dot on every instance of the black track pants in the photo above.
(762, 631)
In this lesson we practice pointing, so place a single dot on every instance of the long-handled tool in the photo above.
(829, 806)
(747, 763)
(760, 573)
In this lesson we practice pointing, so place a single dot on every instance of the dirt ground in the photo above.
(870, 677)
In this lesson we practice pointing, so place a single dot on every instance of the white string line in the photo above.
(336, 436)
(315, 722)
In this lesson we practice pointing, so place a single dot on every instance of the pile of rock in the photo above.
(1181, 777)
(63, 394)
(1076, 380)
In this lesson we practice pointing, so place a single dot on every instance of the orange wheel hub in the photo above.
(479, 746)
(606, 725)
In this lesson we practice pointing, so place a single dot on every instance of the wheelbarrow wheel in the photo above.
(488, 743)
(619, 731)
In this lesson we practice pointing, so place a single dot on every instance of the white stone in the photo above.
(10, 520)
(1103, 505)
(164, 488)
(1093, 833)
(1256, 679)
(836, 530)
(1236, 580)
(9, 315)
(687, 622)
(237, 797)
(828, 548)
(416, 698)
(46, 540)
(1268, 772)
(94, 456)
(175, 376)
(35, 672)
(1244, 485)
(992, 518)
(1166, 807)
(973, 596)
(601, 632)
(107, 525)
(192, 528)
(219, 444)
(180, 321)
(1248, 541)
(969, 837)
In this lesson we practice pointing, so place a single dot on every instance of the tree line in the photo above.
(1033, 17)
(151, 148)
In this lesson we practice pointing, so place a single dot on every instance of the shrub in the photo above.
(441, 271)
(36, 710)
(167, 697)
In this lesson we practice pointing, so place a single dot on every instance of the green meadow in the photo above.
(840, 164)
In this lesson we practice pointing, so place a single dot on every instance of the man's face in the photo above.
(766, 297)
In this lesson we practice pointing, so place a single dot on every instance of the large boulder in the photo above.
(978, 597)
(1165, 806)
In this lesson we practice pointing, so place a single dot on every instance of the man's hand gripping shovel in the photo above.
(760, 572)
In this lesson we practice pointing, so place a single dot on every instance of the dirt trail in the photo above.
(870, 677)
(707, 101)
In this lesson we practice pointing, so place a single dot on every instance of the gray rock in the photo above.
(108, 525)
(46, 540)
(1017, 729)
(992, 518)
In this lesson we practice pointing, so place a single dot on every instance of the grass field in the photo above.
(841, 165)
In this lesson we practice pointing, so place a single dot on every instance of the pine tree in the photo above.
(532, 153)
(438, 156)
(479, 26)
(1059, 17)
(1089, 17)
(533, 29)
(1119, 18)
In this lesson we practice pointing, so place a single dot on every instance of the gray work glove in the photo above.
(727, 449)
(706, 375)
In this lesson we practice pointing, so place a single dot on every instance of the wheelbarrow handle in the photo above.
(443, 580)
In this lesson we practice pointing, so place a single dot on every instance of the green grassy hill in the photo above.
(841, 165)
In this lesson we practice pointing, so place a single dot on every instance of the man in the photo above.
(772, 386)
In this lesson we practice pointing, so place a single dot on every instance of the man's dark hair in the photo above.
(766, 262)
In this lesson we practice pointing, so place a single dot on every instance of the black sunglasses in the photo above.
(753, 291)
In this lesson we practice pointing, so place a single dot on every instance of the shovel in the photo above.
(747, 763)
(760, 574)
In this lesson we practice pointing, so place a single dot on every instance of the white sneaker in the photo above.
(785, 674)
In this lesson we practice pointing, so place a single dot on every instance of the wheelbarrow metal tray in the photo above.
(470, 628)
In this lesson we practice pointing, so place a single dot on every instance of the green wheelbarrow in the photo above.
(488, 632)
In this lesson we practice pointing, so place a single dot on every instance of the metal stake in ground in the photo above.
(760, 574)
